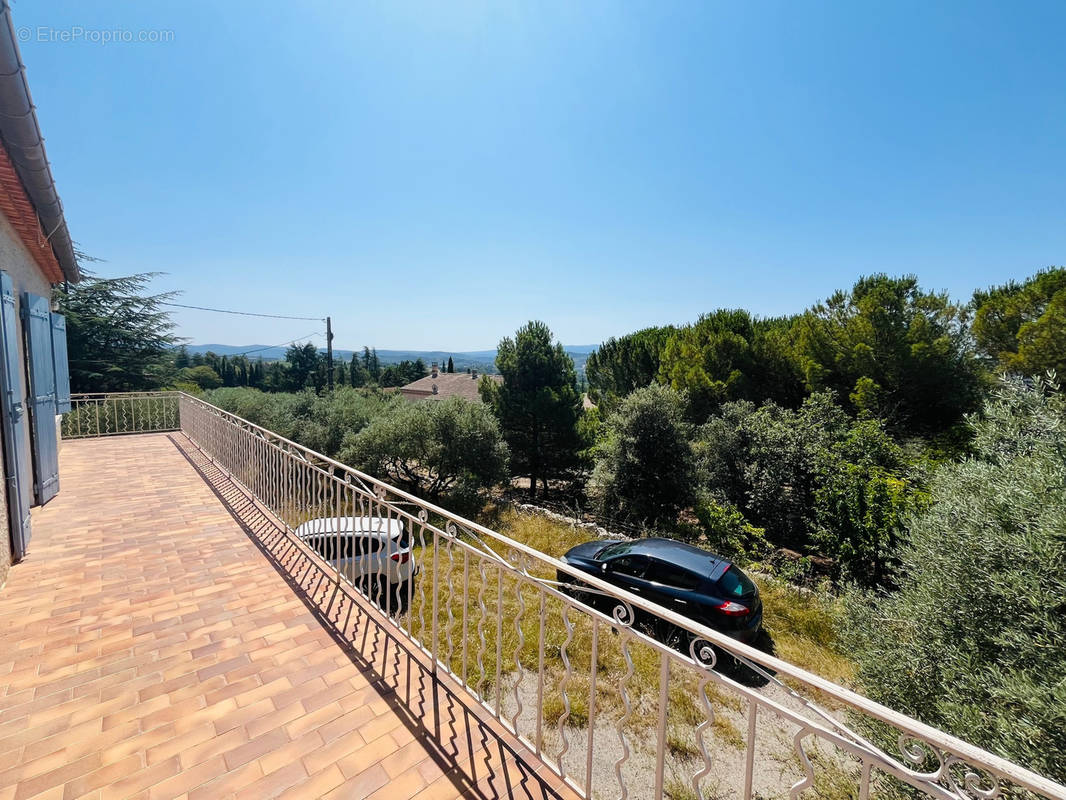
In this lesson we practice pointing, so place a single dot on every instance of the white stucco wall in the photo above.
(17, 262)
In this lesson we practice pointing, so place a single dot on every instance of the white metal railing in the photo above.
(606, 705)
(111, 414)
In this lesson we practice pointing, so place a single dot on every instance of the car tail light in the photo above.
(401, 558)
(732, 609)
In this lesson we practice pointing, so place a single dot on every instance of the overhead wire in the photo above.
(283, 344)
(243, 313)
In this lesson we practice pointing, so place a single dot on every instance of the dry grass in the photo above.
(835, 776)
(677, 789)
(803, 628)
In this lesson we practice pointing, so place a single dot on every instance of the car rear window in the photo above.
(735, 583)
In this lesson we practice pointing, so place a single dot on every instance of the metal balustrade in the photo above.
(113, 414)
(619, 696)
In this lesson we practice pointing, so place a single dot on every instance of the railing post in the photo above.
(664, 697)
(436, 591)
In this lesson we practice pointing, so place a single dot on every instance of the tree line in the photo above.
(304, 367)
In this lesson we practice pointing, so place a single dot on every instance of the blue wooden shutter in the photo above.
(59, 362)
(37, 319)
(18, 474)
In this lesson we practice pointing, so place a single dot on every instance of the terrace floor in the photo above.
(165, 638)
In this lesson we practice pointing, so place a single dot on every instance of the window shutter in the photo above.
(59, 358)
(37, 326)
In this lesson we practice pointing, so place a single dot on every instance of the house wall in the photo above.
(17, 262)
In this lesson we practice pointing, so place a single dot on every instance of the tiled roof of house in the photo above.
(16, 207)
(448, 384)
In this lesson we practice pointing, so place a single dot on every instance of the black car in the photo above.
(687, 580)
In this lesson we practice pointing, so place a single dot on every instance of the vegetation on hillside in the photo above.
(304, 367)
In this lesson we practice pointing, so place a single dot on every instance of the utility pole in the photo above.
(329, 353)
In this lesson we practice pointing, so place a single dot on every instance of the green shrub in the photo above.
(645, 470)
(727, 532)
(861, 498)
(331, 417)
(318, 422)
(973, 641)
(813, 479)
(203, 376)
(450, 448)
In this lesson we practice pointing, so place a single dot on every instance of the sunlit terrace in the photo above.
(163, 641)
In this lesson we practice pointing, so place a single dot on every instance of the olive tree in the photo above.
(973, 640)
(448, 448)
(645, 469)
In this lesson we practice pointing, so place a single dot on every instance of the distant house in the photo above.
(438, 385)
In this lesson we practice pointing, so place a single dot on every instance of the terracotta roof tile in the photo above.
(16, 207)
(448, 384)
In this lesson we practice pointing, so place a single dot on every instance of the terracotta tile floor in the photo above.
(165, 639)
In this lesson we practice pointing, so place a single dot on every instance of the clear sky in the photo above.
(433, 175)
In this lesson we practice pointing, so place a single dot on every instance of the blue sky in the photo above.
(433, 175)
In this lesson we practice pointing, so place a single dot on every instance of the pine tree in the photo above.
(374, 367)
(357, 375)
(537, 403)
(119, 339)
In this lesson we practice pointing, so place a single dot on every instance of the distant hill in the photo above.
(481, 360)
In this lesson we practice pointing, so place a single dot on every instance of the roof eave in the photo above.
(21, 135)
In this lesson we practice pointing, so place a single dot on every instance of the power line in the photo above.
(283, 344)
(244, 313)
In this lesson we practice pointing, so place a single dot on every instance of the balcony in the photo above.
(170, 636)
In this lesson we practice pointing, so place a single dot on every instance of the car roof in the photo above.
(684, 555)
(374, 527)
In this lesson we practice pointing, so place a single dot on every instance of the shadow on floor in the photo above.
(479, 759)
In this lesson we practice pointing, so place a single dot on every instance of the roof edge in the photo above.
(21, 134)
